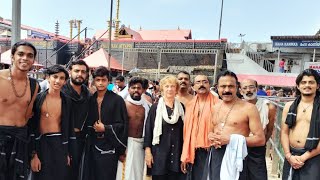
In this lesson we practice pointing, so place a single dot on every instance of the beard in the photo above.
(136, 98)
(249, 98)
(76, 82)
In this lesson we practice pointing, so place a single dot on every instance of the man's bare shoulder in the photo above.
(246, 105)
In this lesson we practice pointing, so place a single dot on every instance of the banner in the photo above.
(312, 65)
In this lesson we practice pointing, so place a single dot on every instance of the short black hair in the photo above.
(227, 73)
(23, 43)
(145, 84)
(79, 62)
(308, 72)
(120, 78)
(56, 69)
(100, 72)
(260, 87)
(184, 72)
(135, 80)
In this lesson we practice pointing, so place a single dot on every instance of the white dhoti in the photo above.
(134, 164)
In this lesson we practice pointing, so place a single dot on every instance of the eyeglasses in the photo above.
(248, 87)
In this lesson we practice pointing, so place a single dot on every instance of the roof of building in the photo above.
(178, 34)
(100, 58)
(25, 27)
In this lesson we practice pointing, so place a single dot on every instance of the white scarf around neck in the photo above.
(161, 113)
(146, 106)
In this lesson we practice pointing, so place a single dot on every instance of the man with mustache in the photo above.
(52, 127)
(17, 95)
(183, 93)
(256, 161)
(300, 130)
(137, 109)
(196, 129)
(78, 92)
(232, 122)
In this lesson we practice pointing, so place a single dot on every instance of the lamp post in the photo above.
(220, 24)
(110, 29)
(45, 39)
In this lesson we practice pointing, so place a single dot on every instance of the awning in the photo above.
(270, 80)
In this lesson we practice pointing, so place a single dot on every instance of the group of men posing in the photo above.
(67, 133)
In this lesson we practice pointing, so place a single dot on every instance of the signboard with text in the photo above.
(296, 44)
(312, 65)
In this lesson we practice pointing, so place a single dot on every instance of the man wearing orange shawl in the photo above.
(196, 129)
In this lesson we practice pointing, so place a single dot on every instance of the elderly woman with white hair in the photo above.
(164, 133)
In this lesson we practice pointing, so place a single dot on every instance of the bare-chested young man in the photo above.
(183, 93)
(196, 128)
(17, 94)
(138, 110)
(52, 128)
(300, 130)
(232, 117)
(256, 160)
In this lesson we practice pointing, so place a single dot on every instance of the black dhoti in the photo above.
(213, 165)
(309, 171)
(256, 163)
(13, 153)
(195, 171)
(53, 158)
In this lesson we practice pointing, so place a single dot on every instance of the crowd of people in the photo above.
(138, 128)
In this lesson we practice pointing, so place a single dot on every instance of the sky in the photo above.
(257, 19)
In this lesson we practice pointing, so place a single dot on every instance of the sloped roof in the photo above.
(271, 80)
(100, 58)
(178, 34)
(25, 27)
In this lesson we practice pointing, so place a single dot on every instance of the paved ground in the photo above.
(269, 165)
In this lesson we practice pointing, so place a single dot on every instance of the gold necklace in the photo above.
(223, 123)
(10, 78)
(305, 109)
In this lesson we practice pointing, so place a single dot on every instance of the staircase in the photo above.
(242, 53)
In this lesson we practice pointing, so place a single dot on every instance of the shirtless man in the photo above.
(52, 128)
(256, 161)
(17, 94)
(232, 116)
(300, 130)
(183, 93)
(138, 110)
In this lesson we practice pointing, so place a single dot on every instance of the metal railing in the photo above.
(274, 147)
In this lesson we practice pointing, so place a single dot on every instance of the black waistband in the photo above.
(297, 151)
